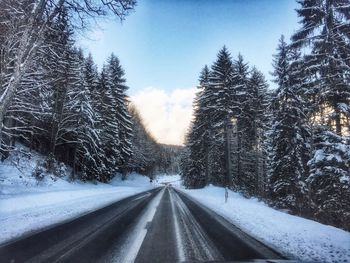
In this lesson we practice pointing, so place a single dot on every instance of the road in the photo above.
(160, 225)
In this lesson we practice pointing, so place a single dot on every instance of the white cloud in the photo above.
(166, 114)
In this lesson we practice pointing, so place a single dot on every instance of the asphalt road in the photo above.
(161, 225)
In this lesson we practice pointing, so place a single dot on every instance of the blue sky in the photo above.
(164, 44)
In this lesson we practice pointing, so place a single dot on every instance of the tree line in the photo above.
(289, 146)
(54, 100)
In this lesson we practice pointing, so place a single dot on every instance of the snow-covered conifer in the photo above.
(329, 179)
(289, 137)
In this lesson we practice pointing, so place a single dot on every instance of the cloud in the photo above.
(166, 114)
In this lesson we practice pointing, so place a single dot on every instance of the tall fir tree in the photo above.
(259, 102)
(289, 137)
(244, 174)
(117, 87)
(329, 179)
(88, 152)
(325, 31)
(109, 124)
(221, 103)
(198, 141)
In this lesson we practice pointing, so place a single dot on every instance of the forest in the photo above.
(289, 146)
(55, 101)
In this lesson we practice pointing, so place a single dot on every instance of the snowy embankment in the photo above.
(27, 204)
(294, 236)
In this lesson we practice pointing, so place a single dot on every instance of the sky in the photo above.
(164, 44)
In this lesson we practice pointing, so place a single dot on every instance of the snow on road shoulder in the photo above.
(306, 240)
(26, 205)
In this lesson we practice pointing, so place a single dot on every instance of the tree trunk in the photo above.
(337, 122)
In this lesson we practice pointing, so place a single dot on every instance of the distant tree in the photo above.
(144, 146)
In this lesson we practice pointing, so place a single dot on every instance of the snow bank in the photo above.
(304, 239)
(27, 205)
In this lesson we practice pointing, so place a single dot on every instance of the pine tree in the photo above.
(86, 139)
(109, 124)
(198, 141)
(125, 132)
(117, 134)
(329, 179)
(221, 103)
(326, 32)
(59, 56)
(259, 117)
(27, 23)
(205, 125)
(244, 173)
(289, 137)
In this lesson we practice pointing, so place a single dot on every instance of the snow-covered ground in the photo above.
(27, 205)
(304, 239)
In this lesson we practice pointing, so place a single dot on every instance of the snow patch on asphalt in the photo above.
(195, 244)
(179, 241)
(304, 239)
(138, 233)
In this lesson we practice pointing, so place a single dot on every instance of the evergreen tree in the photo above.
(224, 104)
(244, 174)
(109, 124)
(144, 146)
(221, 102)
(58, 68)
(198, 141)
(326, 34)
(289, 137)
(87, 152)
(259, 117)
(117, 118)
(205, 126)
(329, 178)
(325, 30)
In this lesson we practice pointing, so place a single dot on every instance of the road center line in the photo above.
(142, 196)
(138, 234)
